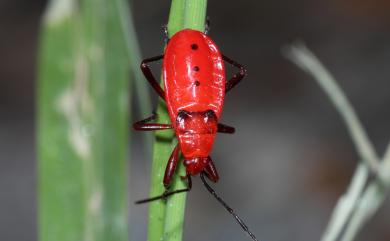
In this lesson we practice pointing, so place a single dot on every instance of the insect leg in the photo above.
(211, 171)
(150, 77)
(143, 125)
(167, 193)
(171, 166)
(222, 128)
(169, 171)
(236, 77)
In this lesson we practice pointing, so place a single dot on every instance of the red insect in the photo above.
(195, 87)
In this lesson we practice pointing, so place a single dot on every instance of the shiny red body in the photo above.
(194, 81)
(194, 91)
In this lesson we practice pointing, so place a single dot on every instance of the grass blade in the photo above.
(82, 123)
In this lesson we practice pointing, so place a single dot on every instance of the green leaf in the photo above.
(83, 104)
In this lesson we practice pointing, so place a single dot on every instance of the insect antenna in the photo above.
(229, 209)
(168, 193)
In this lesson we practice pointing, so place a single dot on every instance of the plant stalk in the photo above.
(166, 219)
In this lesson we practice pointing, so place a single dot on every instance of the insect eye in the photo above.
(182, 115)
(210, 114)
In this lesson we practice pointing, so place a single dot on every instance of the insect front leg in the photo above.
(143, 125)
(236, 77)
(150, 77)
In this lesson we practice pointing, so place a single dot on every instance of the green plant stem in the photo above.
(194, 18)
(82, 123)
(162, 148)
(166, 220)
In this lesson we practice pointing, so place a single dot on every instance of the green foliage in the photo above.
(83, 122)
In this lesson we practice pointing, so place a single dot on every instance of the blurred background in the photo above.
(291, 156)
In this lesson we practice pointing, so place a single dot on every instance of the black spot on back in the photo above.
(194, 46)
(196, 68)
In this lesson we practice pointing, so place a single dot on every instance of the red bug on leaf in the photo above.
(195, 88)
